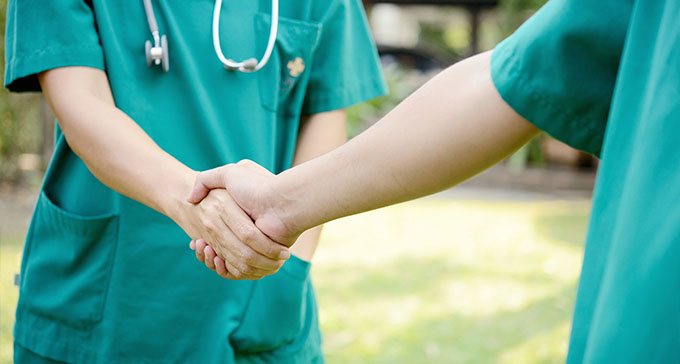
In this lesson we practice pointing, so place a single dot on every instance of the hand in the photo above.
(252, 188)
(244, 251)
(250, 185)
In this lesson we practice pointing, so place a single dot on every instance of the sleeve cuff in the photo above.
(524, 95)
(318, 101)
(21, 73)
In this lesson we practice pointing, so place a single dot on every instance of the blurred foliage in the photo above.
(20, 132)
(451, 41)
(514, 12)
(20, 122)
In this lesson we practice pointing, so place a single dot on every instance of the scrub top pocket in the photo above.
(282, 82)
(277, 310)
(70, 259)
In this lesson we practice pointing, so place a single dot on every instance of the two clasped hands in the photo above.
(452, 128)
(248, 236)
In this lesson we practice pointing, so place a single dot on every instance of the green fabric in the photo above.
(603, 76)
(25, 356)
(107, 280)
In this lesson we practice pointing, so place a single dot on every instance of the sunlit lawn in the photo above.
(445, 281)
(10, 258)
(431, 281)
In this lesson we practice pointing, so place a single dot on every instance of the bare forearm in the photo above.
(452, 128)
(115, 149)
(319, 134)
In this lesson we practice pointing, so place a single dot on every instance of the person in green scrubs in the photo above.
(604, 77)
(104, 277)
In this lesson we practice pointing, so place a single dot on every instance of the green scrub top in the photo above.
(604, 76)
(105, 279)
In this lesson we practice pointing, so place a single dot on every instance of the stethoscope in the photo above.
(157, 54)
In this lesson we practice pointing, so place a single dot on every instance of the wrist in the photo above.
(173, 198)
(286, 208)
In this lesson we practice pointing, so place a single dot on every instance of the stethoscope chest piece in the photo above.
(158, 54)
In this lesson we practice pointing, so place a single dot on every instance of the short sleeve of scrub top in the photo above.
(68, 38)
(559, 68)
(342, 74)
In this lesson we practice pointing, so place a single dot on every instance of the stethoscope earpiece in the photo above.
(157, 53)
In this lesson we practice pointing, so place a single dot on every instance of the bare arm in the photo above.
(115, 149)
(453, 127)
(319, 134)
(121, 155)
(449, 130)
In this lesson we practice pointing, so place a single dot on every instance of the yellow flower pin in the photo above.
(296, 67)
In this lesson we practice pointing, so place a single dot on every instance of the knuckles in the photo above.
(208, 226)
(211, 205)
(246, 269)
(272, 250)
(237, 274)
(247, 234)
(220, 198)
(245, 163)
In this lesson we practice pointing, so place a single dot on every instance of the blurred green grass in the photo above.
(451, 281)
(10, 259)
(434, 280)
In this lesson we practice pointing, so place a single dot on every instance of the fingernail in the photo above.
(285, 254)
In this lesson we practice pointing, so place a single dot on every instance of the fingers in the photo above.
(228, 270)
(200, 247)
(239, 270)
(241, 261)
(220, 267)
(251, 237)
(206, 181)
(209, 255)
(235, 251)
(218, 264)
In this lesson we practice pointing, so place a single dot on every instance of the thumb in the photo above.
(206, 181)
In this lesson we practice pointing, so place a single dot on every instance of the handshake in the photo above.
(235, 219)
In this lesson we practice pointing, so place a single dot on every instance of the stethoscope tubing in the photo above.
(249, 65)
